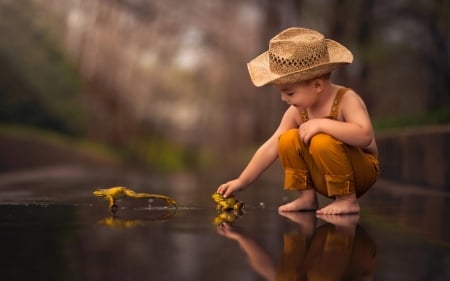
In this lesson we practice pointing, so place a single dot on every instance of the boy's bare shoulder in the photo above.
(293, 115)
(351, 98)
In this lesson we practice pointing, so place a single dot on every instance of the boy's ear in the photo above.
(318, 84)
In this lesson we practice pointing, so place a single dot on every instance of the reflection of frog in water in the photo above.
(113, 222)
(229, 209)
(114, 193)
(227, 204)
(225, 217)
(132, 218)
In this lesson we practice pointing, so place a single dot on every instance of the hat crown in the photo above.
(296, 49)
(297, 54)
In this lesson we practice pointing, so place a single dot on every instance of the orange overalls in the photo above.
(326, 164)
(328, 255)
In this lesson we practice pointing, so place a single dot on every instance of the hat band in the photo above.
(282, 65)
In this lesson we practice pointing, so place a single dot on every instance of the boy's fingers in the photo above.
(222, 189)
(226, 194)
(226, 189)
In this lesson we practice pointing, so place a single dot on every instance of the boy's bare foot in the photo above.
(306, 201)
(344, 204)
(350, 220)
(343, 224)
(305, 220)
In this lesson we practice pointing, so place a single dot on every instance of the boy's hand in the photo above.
(228, 231)
(228, 188)
(309, 129)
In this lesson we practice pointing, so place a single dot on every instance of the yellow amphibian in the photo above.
(113, 222)
(114, 193)
(225, 217)
(226, 204)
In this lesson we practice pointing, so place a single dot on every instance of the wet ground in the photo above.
(52, 228)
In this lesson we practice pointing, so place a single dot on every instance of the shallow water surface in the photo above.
(401, 235)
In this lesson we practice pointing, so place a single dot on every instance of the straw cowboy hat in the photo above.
(297, 54)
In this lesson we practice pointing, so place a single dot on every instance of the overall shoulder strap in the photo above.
(304, 115)
(337, 101)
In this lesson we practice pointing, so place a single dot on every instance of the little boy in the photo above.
(325, 139)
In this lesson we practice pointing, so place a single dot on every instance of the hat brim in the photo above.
(260, 73)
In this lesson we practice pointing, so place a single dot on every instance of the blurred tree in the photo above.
(153, 73)
(38, 86)
(20, 102)
(268, 109)
(356, 33)
(411, 52)
(434, 53)
(365, 24)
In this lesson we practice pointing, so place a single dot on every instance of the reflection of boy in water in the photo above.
(337, 250)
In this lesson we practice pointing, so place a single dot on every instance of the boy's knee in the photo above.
(288, 139)
(322, 143)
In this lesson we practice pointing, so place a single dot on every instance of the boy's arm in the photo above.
(259, 258)
(355, 130)
(266, 154)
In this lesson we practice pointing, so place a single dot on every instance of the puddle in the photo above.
(52, 234)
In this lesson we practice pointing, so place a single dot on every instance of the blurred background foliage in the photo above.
(163, 84)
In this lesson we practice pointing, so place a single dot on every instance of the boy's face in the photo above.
(300, 95)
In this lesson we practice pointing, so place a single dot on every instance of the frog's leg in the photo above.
(130, 193)
(158, 196)
(165, 198)
(111, 200)
(143, 195)
(112, 203)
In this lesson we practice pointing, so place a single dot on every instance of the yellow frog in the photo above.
(225, 217)
(113, 222)
(114, 193)
(226, 204)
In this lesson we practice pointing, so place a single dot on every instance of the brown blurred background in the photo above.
(163, 84)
